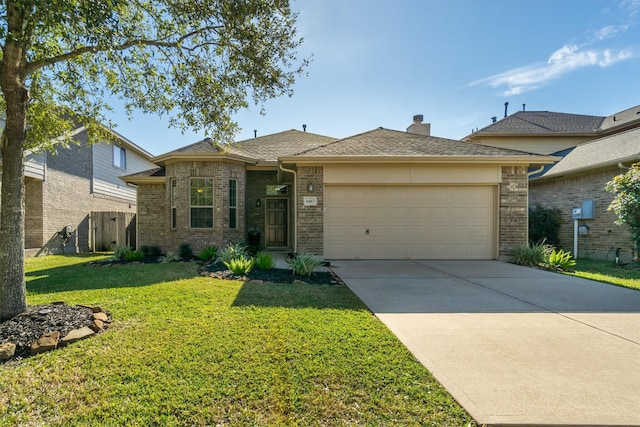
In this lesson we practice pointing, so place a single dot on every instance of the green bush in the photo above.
(233, 251)
(304, 264)
(185, 251)
(120, 251)
(531, 255)
(559, 259)
(265, 261)
(240, 265)
(170, 257)
(131, 256)
(208, 253)
(151, 250)
(544, 225)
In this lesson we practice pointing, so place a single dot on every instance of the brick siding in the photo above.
(310, 218)
(566, 193)
(513, 227)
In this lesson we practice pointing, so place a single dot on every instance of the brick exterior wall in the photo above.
(514, 215)
(155, 207)
(310, 218)
(566, 193)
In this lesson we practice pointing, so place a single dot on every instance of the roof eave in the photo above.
(632, 158)
(199, 157)
(137, 180)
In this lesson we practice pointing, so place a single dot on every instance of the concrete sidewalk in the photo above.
(513, 345)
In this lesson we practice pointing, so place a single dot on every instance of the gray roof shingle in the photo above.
(543, 122)
(623, 146)
(391, 143)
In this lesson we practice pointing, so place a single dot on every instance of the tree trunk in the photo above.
(13, 292)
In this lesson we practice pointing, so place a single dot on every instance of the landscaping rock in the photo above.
(77, 335)
(100, 316)
(7, 350)
(97, 325)
(46, 342)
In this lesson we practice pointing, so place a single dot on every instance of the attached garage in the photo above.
(410, 221)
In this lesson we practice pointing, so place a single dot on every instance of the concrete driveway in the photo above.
(513, 345)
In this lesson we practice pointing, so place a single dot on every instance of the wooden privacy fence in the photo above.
(111, 229)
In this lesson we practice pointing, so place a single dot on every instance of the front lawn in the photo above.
(608, 272)
(185, 350)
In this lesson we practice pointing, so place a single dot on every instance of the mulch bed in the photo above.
(275, 275)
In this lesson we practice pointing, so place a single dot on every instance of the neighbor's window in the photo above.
(173, 204)
(233, 203)
(119, 157)
(201, 202)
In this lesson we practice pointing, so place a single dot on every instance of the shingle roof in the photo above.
(391, 143)
(282, 144)
(155, 172)
(621, 147)
(621, 118)
(542, 122)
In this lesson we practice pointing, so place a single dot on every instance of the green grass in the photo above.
(607, 272)
(189, 350)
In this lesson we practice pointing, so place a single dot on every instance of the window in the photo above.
(233, 204)
(119, 157)
(201, 202)
(173, 203)
(276, 190)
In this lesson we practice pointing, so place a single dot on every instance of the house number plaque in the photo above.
(310, 201)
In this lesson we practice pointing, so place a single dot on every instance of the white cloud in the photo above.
(564, 60)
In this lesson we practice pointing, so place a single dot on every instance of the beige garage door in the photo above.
(419, 222)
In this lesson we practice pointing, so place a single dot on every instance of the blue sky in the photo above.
(377, 63)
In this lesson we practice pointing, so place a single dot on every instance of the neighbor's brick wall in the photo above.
(67, 199)
(513, 228)
(310, 218)
(33, 221)
(567, 193)
(220, 235)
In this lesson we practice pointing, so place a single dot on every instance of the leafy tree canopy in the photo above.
(201, 59)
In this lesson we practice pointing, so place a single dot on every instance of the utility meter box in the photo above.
(588, 209)
(577, 213)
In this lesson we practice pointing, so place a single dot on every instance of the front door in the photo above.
(276, 222)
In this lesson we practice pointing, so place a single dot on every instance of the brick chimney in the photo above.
(418, 127)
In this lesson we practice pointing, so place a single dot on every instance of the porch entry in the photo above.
(276, 222)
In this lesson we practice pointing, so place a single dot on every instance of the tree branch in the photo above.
(44, 62)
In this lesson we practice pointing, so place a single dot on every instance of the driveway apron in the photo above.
(513, 345)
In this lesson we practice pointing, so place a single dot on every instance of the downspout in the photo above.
(295, 206)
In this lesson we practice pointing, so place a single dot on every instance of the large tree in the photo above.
(198, 61)
(626, 202)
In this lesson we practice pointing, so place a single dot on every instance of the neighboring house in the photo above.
(379, 194)
(64, 188)
(591, 149)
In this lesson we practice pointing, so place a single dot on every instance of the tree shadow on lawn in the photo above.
(286, 295)
(77, 277)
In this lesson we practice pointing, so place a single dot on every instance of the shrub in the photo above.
(544, 225)
(304, 264)
(151, 250)
(131, 256)
(233, 251)
(559, 259)
(170, 257)
(185, 251)
(120, 251)
(240, 265)
(265, 261)
(531, 255)
(208, 253)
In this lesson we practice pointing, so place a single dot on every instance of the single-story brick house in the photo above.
(379, 194)
(590, 149)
